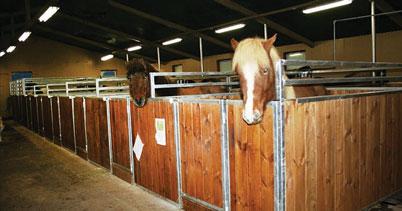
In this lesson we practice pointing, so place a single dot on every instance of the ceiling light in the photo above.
(10, 49)
(134, 48)
(107, 57)
(327, 6)
(172, 41)
(2, 53)
(230, 28)
(24, 36)
(48, 13)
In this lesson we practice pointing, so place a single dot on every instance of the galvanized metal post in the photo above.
(58, 111)
(225, 155)
(152, 82)
(373, 34)
(201, 55)
(176, 121)
(73, 118)
(279, 142)
(51, 116)
(109, 133)
(265, 31)
(130, 139)
(84, 111)
(334, 38)
(159, 58)
(43, 121)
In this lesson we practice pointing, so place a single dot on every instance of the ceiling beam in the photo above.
(273, 25)
(128, 36)
(18, 13)
(168, 24)
(89, 42)
(384, 6)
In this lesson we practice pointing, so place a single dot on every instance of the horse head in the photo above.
(254, 60)
(138, 75)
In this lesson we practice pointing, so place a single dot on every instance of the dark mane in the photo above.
(139, 66)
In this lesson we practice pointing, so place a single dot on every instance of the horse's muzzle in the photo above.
(140, 101)
(255, 118)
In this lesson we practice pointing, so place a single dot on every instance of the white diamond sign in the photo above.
(138, 146)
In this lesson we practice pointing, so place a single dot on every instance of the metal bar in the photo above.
(193, 73)
(345, 96)
(265, 31)
(166, 86)
(51, 117)
(73, 118)
(201, 202)
(130, 139)
(159, 58)
(367, 69)
(291, 82)
(373, 34)
(279, 158)
(339, 63)
(58, 110)
(176, 121)
(84, 111)
(201, 55)
(225, 156)
(109, 134)
(334, 38)
(37, 114)
(152, 82)
(43, 121)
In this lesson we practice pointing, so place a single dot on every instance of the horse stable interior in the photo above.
(67, 81)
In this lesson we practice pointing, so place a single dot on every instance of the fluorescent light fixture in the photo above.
(327, 6)
(172, 41)
(24, 36)
(48, 13)
(295, 54)
(10, 49)
(230, 28)
(134, 48)
(107, 57)
(2, 53)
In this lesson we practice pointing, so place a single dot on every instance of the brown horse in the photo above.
(254, 61)
(140, 87)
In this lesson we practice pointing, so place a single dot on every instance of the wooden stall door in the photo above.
(34, 114)
(156, 168)
(200, 131)
(40, 116)
(120, 145)
(66, 116)
(56, 121)
(251, 161)
(47, 118)
(25, 114)
(79, 128)
(97, 140)
(343, 154)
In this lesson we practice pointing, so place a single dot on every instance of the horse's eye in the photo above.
(265, 70)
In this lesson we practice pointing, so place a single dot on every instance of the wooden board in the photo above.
(66, 115)
(97, 140)
(251, 158)
(34, 114)
(47, 118)
(342, 154)
(79, 128)
(120, 145)
(156, 169)
(40, 117)
(56, 125)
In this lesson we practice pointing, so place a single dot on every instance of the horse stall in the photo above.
(335, 152)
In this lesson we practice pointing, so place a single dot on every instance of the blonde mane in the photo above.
(252, 49)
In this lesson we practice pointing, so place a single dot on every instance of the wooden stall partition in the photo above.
(200, 132)
(342, 154)
(97, 140)
(24, 111)
(47, 118)
(120, 142)
(41, 127)
(66, 116)
(34, 114)
(156, 168)
(20, 116)
(56, 122)
(81, 145)
(251, 161)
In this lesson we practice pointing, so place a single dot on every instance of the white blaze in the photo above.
(249, 70)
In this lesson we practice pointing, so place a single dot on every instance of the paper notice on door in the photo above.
(138, 146)
(160, 129)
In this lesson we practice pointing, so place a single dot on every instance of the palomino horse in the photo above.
(254, 61)
(140, 87)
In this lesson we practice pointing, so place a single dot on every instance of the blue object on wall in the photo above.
(21, 75)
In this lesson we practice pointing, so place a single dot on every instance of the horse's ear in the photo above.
(234, 43)
(269, 42)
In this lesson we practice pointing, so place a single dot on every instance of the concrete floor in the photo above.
(37, 175)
